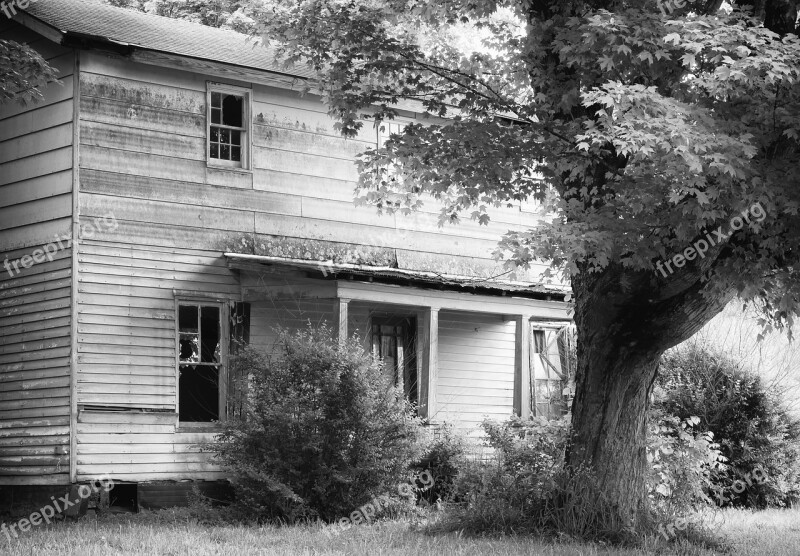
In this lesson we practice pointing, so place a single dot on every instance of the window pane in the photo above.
(216, 115)
(214, 151)
(209, 330)
(190, 347)
(224, 136)
(538, 341)
(215, 134)
(236, 137)
(216, 99)
(224, 152)
(198, 391)
(236, 154)
(187, 318)
(232, 110)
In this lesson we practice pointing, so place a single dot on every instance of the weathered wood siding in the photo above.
(476, 369)
(36, 153)
(126, 357)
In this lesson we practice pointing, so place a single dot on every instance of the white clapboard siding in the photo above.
(476, 369)
(269, 316)
(143, 158)
(141, 447)
(34, 371)
(126, 319)
(35, 303)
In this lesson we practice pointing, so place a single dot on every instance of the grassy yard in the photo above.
(773, 532)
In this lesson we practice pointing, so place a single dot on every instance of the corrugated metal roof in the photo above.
(389, 274)
(162, 34)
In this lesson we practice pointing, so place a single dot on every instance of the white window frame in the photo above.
(246, 130)
(224, 331)
(388, 127)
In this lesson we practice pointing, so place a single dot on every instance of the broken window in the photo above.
(228, 115)
(200, 366)
(393, 341)
(552, 371)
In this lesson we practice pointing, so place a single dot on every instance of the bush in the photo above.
(526, 487)
(444, 457)
(755, 433)
(684, 465)
(323, 431)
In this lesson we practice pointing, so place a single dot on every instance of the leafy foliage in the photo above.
(651, 131)
(532, 450)
(23, 72)
(685, 463)
(525, 487)
(443, 458)
(754, 432)
(227, 14)
(325, 430)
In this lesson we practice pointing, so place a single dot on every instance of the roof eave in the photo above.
(430, 280)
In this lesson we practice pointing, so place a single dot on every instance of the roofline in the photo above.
(390, 275)
(137, 53)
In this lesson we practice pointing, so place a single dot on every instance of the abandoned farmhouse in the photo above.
(173, 194)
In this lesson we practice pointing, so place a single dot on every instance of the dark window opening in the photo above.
(393, 340)
(200, 363)
(227, 127)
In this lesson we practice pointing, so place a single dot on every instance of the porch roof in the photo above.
(330, 270)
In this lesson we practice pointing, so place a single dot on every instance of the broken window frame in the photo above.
(221, 364)
(246, 94)
(557, 380)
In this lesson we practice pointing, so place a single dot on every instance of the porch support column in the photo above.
(522, 367)
(340, 308)
(428, 335)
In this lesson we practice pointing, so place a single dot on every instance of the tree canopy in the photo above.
(228, 14)
(652, 129)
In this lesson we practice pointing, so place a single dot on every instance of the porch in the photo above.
(464, 349)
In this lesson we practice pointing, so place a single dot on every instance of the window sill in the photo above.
(191, 426)
(222, 167)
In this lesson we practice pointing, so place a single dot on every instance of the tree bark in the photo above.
(622, 332)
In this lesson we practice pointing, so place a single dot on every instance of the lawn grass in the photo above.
(772, 532)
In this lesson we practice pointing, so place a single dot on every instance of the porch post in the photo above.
(522, 367)
(428, 334)
(340, 307)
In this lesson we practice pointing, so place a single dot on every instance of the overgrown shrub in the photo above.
(755, 433)
(444, 458)
(324, 430)
(525, 487)
(684, 464)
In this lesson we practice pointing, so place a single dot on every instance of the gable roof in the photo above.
(92, 19)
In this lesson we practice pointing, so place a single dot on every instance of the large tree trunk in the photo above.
(622, 332)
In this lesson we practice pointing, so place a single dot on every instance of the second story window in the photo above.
(228, 117)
